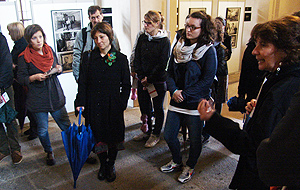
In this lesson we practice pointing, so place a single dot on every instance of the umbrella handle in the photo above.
(79, 118)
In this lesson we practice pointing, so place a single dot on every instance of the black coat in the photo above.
(18, 48)
(43, 96)
(271, 106)
(6, 72)
(104, 90)
(151, 58)
(278, 156)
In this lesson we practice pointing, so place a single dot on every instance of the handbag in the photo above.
(7, 113)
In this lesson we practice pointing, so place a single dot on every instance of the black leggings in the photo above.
(109, 156)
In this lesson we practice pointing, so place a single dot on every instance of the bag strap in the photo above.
(79, 117)
(84, 37)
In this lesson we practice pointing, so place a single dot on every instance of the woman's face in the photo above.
(267, 55)
(193, 29)
(150, 27)
(37, 41)
(101, 40)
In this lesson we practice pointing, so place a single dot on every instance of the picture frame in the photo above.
(66, 61)
(232, 26)
(248, 8)
(191, 10)
(66, 24)
(247, 17)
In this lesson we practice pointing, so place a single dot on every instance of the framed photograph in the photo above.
(66, 61)
(247, 17)
(248, 8)
(232, 27)
(191, 10)
(233, 14)
(66, 24)
(234, 41)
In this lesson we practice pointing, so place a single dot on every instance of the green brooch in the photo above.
(111, 58)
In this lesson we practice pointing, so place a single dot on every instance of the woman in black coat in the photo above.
(16, 31)
(103, 92)
(277, 51)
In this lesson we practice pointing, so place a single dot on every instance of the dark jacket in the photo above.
(6, 71)
(251, 77)
(104, 90)
(222, 69)
(194, 78)
(271, 106)
(278, 156)
(151, 58)
(43, 96)
(18, 48)
(227, 43)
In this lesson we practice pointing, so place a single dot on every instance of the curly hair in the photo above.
(208, 32)
(219, 30)
(284, 34)
(105, 28)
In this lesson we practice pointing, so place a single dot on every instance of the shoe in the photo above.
(2, 156)
(171, 166)
(186, 174)
(91, 160)
(152, 141)
(110, 173)
(140, 137)
(31, 137)
(16, 157)
(102, 172)
(50, 159)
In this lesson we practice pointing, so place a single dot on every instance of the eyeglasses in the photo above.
(192, 28)
(147, 23)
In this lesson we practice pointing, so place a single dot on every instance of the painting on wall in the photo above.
(66, 24)
(233, 18)
(191, 10)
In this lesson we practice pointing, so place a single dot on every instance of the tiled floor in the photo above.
(136, 166)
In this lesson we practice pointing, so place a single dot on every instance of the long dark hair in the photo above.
(207, 34)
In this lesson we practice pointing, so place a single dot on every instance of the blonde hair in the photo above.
(155, 16)
(16, 30)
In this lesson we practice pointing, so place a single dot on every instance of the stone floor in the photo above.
(137, 167)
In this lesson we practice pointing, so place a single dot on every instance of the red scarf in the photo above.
(43, 62)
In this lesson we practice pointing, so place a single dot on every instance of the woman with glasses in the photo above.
(150, 61)
(191, 72)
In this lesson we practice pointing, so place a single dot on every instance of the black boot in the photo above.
(110, 173)
(102, 172)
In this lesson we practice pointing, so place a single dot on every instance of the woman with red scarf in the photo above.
(45, 94)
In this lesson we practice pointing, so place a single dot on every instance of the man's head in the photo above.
(95, 14)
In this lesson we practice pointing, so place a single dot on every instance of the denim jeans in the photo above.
(172, 127)
(9, 139)
(145, 103)
(61, 118)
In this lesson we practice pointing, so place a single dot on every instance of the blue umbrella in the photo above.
(78, 141)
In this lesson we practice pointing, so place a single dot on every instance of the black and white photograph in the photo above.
(233, 41)
(66, 24)
(66, 20)
(66, 61)
(232, 27)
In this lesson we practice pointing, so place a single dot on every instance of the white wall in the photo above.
(7, 8)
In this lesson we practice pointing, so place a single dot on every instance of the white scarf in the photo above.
(183, 54)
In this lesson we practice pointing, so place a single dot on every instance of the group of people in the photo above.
(190, 70)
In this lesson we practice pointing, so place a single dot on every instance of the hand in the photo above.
(78, 108)
(205, 110)
(38, 77)
(177, 96)
(59, 68)
(250, 106)
(133, 74)
(144, 81)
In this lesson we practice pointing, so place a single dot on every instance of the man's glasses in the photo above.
(147, 23)
(192, 28)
